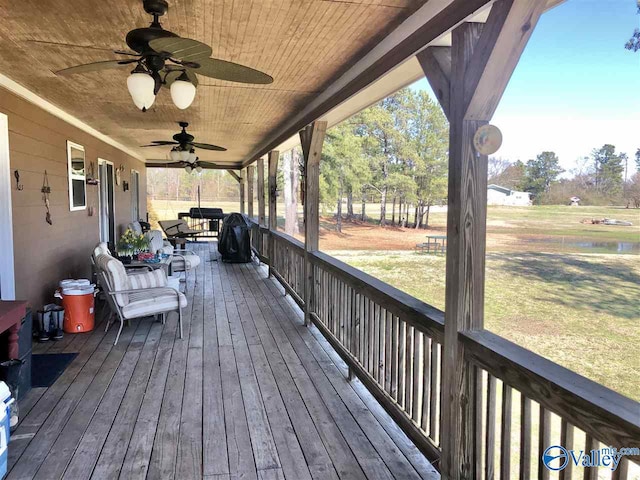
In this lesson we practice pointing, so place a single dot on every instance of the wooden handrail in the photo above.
(421, 315)
(609, 417)
(286, 238)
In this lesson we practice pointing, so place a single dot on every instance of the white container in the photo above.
(5, 428)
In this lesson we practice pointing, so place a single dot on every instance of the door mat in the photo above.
(46, 368)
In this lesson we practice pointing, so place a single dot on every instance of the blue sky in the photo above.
(576, 87)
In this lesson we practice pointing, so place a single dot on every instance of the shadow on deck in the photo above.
(248, 393)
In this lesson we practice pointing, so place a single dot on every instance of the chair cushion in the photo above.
(101, 248)
(155, 278)
(155, 240)
(177, 263)
(149, 303)
(116, 275)
(135, 227)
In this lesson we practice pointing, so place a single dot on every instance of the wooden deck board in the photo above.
(249, 392)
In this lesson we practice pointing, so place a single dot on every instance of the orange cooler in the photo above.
(78, 304)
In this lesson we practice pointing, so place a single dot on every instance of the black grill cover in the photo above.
(235, 241)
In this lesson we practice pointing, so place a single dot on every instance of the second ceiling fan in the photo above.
(163, 58)
(183, 153)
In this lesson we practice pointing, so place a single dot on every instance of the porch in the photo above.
(249, 392)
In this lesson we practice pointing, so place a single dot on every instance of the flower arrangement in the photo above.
(130, 243)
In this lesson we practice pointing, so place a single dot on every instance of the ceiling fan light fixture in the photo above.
(192, 156)
(183, 91)
(184, 155)
(199, 169)
(175, 154)
(140, 85)
(188, 169)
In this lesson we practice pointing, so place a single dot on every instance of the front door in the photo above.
(106, 202)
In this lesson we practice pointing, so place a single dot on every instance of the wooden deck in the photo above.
(249, 392)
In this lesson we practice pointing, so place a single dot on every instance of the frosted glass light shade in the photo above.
(182, 93)
(192, 157)
(199, 169)
(188, 169)
(140, 86)
(175, 155)
(184, 155)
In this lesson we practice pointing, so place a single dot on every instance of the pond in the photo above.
(602, 247)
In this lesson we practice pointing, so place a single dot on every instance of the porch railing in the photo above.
(392, 342)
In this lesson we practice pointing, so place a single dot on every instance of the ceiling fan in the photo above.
(183, 153)
(163, 58)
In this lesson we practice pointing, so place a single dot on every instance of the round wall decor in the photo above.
(487, 139)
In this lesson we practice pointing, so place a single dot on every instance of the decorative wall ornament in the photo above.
(46, 191)
(118, 172)
(125, 186)
(487, 139)
(19, 186)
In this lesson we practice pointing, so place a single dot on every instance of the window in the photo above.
(135, 195)
(77, 178)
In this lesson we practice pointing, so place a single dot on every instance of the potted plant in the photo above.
(130, 244)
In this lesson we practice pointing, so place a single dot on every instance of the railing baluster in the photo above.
(402, 332)
(544, 439)
(590, 444)
(434, 391)
(505, 434)
(408, 383)
(415, 401)
(394, 357)
(478, 384)
(566, 440)
(375, 369)
(489, 461)
(525, 438)
(427, 345)
(622, 472)
(381, 345)
(388, 349)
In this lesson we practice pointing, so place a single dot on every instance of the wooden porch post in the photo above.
(469, 79)
(311, 139)
(250, 169)
(261, 209)
(243, 178)
(273, 213)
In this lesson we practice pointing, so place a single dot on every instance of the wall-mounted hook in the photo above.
(16, 174)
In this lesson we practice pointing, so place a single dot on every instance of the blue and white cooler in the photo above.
(5, 428)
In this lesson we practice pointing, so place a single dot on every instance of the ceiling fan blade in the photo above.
(182, 48)
(232, 72)
(164, 142)
(160, 163)
(93, 67)
(207, 164)
(160, 144)
(174, 74)
(124, 52)
(208, 146)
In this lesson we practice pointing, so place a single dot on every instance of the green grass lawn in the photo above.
(580, 311)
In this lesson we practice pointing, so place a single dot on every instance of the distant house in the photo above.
(497, 195)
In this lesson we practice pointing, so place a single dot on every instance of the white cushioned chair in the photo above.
(182, 261)
(139, 295)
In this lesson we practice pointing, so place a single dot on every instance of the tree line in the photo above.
(602, 178)
(395, 153)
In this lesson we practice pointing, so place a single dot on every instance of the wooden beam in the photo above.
(504, 37)
(436, 64)
(250, 170)
(312, 139)
(234, 175)
(273, 211)
(261, 204)
(429, 23)
(464, 298)
(241, 188)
